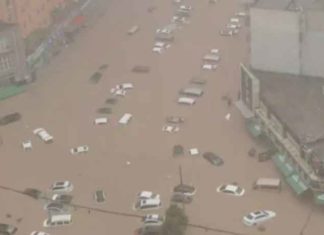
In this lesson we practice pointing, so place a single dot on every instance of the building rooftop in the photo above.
(290, 4)
(298, 101)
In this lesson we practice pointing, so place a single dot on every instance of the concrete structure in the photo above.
(287, 37)
(12, 55)
(313, 44)
(289, 111)
(29, 15)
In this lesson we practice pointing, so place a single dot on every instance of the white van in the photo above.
(267, 183)
(149, 204)
(192, 91)
(58, 220)
(125, 118)
(100, 121)
(186, 100)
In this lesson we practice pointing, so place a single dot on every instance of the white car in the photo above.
(233, 26)
(153, 219)
(162, 44)
(231, 189)
(39, 233)
(147, 195)
(180, 19)
(79, 149)
(209, 66)
(170, 129)
(100, 121)
(258, 217)
(118, 92)
(158, 50)
(241, 14)
(62, 187)
(125, 86)
(43, 134)
(186, 8)
(214, 51)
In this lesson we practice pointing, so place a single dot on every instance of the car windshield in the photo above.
(238, 190)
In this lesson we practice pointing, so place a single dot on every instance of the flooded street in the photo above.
(65, 103)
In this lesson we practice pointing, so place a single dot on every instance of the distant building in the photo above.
(12, 55)
(30, 15)
(282, 90)
(287, 36)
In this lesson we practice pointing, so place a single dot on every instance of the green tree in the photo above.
(175, 221)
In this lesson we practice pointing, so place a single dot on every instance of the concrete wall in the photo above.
(274, 44)
(313, 45)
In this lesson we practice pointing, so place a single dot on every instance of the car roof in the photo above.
(145, 194)
(231, 187)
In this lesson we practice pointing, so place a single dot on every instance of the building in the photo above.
(282, 90)
(287, 36)
(29, 15)
(12, 55)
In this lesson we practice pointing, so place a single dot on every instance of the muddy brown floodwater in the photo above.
(64, 102)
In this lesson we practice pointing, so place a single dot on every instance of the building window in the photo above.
(5, 63)
(3, 45)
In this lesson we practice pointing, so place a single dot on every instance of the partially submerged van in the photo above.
(58, 220)
(186, 100)
(267, 183)
(192, 91)
(125, 118)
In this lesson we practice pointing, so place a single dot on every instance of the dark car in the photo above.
(34, 193)
(264, 156)
(213, 159)
(184, 189)
(141, 69)
(104, 110)
(13, 117)
(181, 198)
(7, 229)
(55, 207)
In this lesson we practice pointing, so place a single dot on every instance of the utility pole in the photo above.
(309, 216)
(180, 175)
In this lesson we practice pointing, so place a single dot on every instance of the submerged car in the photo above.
(153, 219)
(257, 217)
(7, 229)
(181, 198)
(213, 159)
(43, 134)
(174, 119)
(209, 66)
(231, 189)
(55, 207)
(170, 129)
(147, 195)
(62, 198)
(184, 189)
(12, 117)
(100, 196)
(39, 233)
(79, 149)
